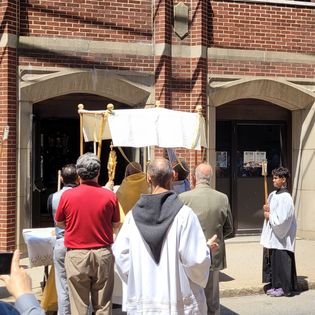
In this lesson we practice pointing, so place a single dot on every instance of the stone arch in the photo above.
(94, 82)
(280, 92)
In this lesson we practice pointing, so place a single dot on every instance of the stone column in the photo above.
(303, 160)
(24, 178)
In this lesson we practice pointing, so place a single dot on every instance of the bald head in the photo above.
(160, 173)
(203, 173)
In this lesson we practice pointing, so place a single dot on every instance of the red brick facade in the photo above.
(180, 82)
(271, 27)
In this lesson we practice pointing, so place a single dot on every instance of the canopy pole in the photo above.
(199, 112)
(109, 111)
(264, 174)
(59, 180)
(80, 108)
(100, 133)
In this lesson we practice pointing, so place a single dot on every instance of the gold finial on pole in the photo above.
(264, 173)
(111, 164)
(110, 108)
(80, 108)
(199, 109)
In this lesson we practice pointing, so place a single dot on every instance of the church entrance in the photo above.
(248, 132)
(56, 138)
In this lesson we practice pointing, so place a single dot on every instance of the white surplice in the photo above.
(280, 230)
(175, 285)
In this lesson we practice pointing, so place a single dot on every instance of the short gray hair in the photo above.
(203, 173)
(88, 166)
(160, 171)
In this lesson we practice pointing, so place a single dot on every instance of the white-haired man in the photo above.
(213, 211)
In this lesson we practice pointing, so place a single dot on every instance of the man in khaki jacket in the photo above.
(213, 211)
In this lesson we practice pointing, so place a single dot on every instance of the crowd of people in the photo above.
(167, 245)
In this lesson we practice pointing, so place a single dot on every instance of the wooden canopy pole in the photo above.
(100, 133)
(80, 109)
(199, 111)
(264, 173)
(59, 180)
(109, 111)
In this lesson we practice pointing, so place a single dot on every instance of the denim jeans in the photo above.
(61, 278)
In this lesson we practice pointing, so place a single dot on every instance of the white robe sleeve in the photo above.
(194, 252)
(121, 250)
(282, 215)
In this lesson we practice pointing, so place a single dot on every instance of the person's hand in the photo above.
(110, 185)
(18, 282)
(212, 243)
(266, 208)
(266, 211)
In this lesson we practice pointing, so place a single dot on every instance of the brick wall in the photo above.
(262, 26)
(254, 68)
(111, 20)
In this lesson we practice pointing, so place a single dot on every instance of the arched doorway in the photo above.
(56, 137)
(248, 131)
(48, 101)
(254, 104)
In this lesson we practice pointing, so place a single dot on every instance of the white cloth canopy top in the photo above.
(147, 127)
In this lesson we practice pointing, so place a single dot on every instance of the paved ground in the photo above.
(244, 259)
(243, 275)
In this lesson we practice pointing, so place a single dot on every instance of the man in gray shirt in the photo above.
(69, 179)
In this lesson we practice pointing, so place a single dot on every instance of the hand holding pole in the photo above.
(264, 173)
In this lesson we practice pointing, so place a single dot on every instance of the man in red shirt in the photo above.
(89, 213)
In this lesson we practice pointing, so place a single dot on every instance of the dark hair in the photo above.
(182, 170)
(69, 174)
(88, 166)
(281, 172)
(133, 168)
(160, 171)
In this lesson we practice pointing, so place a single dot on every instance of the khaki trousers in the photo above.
(212, 293)
(90, 272)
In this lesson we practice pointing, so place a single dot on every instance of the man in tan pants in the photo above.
(89, 213)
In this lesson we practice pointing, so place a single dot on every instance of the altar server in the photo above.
(278, 238)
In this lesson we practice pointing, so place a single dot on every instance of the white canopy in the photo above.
(147, 127)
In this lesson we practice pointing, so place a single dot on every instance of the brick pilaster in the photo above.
(8, 99)
(162, 20)
(199, 37)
